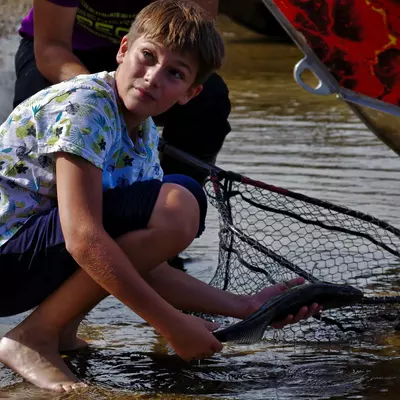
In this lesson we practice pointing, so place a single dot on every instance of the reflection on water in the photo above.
(287, 137)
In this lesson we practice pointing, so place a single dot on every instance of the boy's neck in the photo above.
(132, 122)
(133, 133)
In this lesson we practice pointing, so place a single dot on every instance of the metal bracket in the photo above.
(303, 65)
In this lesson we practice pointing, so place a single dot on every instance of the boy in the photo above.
(64, 38)
(84, 211)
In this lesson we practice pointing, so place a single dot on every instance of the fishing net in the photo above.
(269, 234)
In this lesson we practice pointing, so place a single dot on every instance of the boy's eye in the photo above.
(148, 55)
(177, 74)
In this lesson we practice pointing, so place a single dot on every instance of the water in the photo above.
(287, 137)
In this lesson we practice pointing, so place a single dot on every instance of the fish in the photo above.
(251, 329)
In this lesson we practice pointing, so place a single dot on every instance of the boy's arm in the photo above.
(53, 41)
(79, 193)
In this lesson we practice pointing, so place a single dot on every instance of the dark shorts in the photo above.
(35, 262)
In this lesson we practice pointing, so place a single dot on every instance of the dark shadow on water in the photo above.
(263, 374)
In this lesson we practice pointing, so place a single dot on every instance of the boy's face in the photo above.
(151, 78)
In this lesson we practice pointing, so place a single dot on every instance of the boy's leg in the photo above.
(31, 348)
(198, 127)
(30, 81)
(133, 246)
(68, 339)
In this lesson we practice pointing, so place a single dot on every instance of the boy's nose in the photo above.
(153, 76)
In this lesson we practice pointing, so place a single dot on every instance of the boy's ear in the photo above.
(123, 49)
(193, 91)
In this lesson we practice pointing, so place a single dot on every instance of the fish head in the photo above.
(341, 295)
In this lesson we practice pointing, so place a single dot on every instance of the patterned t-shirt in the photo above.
(82, 117)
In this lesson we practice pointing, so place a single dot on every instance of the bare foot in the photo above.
(37, 362)
(74, 344)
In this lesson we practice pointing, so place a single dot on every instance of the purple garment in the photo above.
(98, 23)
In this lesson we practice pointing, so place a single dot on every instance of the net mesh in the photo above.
(269, 235)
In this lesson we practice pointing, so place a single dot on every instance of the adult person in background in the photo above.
(65, 38)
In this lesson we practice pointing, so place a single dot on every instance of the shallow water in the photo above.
(287, 137)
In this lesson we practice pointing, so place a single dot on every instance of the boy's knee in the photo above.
(177, 213)
(196, 189)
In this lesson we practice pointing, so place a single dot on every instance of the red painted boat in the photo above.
(353, 47)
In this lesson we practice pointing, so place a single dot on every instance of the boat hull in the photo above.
(358, 41)
(353, 47)
(254, 16)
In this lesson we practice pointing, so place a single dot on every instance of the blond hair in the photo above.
(185, 27)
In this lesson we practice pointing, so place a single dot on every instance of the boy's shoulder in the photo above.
(104, 80)
(83, 92)
(101, 84)
(78, 96)
(85, 87)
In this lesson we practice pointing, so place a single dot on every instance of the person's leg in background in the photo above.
(198, 127)
(29, 80)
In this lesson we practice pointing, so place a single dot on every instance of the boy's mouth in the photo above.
(144, 93)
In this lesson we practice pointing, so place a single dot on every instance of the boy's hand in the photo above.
(256, 301)
(193, 339)
(304, 313)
